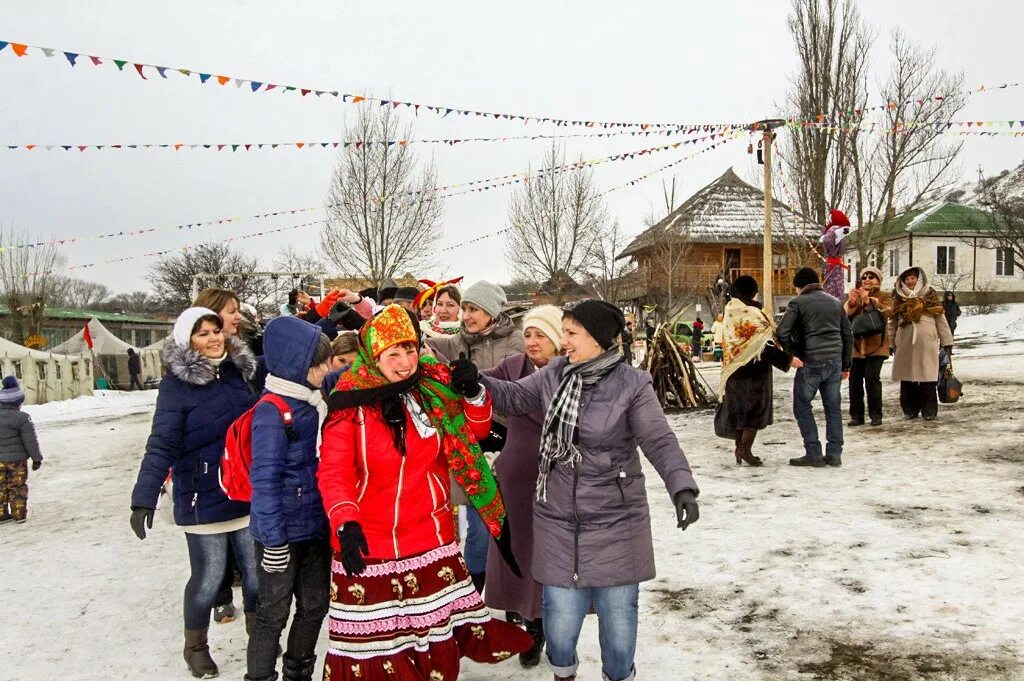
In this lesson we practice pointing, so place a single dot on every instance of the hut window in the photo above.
(88, 369)
(17, 368)
(74, 371)
(41, 369)
(56, 369)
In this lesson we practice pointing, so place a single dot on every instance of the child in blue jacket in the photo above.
(287, 518)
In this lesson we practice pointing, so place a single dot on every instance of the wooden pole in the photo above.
(766, 263)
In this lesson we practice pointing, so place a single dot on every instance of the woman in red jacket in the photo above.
(402, 602)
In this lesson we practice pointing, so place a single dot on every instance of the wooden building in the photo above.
(715, 236)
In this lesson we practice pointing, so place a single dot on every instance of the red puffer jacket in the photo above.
(401, 502)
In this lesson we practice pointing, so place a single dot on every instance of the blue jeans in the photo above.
(477, 540)
(208, 555)
(824, 377)
(616, 606)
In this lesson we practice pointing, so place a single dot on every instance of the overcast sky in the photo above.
(723, 61)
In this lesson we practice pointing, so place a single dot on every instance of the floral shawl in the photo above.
(746, 330)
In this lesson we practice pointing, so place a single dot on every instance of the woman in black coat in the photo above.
(749, 351)
(951, 309)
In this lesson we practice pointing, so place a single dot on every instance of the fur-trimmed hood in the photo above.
(190, 367)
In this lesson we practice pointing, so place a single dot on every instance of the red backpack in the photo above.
(237, 458)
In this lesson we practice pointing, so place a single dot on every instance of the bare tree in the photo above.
(608, 270)
(555, 221)
(290, 260)
(28, 279)
(80, 294)
(383, 212)
(832, 43)
(898, 169)
(1006, 228)
(135, 301)
(173, 275)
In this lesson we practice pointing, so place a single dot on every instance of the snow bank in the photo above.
(101, 404)
(1007, 324)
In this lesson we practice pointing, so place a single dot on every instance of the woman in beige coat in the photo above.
(916, 330)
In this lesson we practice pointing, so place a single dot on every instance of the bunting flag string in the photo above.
(902, 127)
(260, 146)
(178, 249)
(248, 85)
(638, 180)
(887, 106)
(473, 186)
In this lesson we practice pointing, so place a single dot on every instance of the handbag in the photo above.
(868, 324)
(949, 387)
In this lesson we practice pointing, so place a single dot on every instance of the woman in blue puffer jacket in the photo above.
(205, 389)
(293, 546)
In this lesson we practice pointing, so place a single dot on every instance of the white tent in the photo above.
(46, 376)
(111, 355)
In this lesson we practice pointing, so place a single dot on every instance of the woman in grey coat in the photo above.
(592, 541)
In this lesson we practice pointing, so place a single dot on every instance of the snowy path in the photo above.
(904, 563)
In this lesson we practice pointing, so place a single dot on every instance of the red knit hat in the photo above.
(837, 218)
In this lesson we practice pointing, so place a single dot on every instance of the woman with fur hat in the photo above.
(205, 388)
(402, 603)
(870, 352)
(749, 351)
(916, 331)
(592, 541)
(18, 444)
(516, 470)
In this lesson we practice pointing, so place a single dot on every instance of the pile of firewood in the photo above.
(676, 381)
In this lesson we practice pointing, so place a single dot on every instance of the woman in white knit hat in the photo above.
(516, 470)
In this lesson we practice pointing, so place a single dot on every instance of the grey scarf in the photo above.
(559, 433)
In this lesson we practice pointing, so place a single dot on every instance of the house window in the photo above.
(945, 260)
(894, 263)
(74, 371)
(780, 261)
(41, 370)
(56, 369)
(17, 368)
(1004, 262)
(873, 259)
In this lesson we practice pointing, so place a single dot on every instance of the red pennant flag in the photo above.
(87, 336)
(138, 67)
(304, 91)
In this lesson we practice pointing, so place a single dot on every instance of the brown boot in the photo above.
(744, 443)
(197, 655)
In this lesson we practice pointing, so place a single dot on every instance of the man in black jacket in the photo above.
(816, 331)
(134, 369)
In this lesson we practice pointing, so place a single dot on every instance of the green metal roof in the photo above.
(86, 315)
(949, 218)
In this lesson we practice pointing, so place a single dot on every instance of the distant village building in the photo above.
(60, 324)
(715, 236)
(954, 244)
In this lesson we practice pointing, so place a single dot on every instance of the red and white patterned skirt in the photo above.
(412, 618)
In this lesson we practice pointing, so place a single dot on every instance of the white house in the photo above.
(954, 245)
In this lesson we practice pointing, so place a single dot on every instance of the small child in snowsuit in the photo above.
(18, 444)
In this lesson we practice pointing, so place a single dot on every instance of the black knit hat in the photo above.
(405, 294)
(744, 286)
(601, 319)
(805, 276)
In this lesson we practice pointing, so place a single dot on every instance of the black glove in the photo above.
(465, 376)
(36, 465)
(141, 519)
(353, 548)
(686, 509)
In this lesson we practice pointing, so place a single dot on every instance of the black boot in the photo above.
(478, 581)
(197, 655)
(298, 670)
(531, 658)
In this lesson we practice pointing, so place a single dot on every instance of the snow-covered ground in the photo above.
(903, 564)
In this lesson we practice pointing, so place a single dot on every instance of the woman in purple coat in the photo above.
(592, 542)
(516, 470)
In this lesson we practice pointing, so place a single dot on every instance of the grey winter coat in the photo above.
(17, 436)
(487, 351)
(594, 529)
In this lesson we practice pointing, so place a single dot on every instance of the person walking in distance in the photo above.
(816, 331)
(134, 369)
